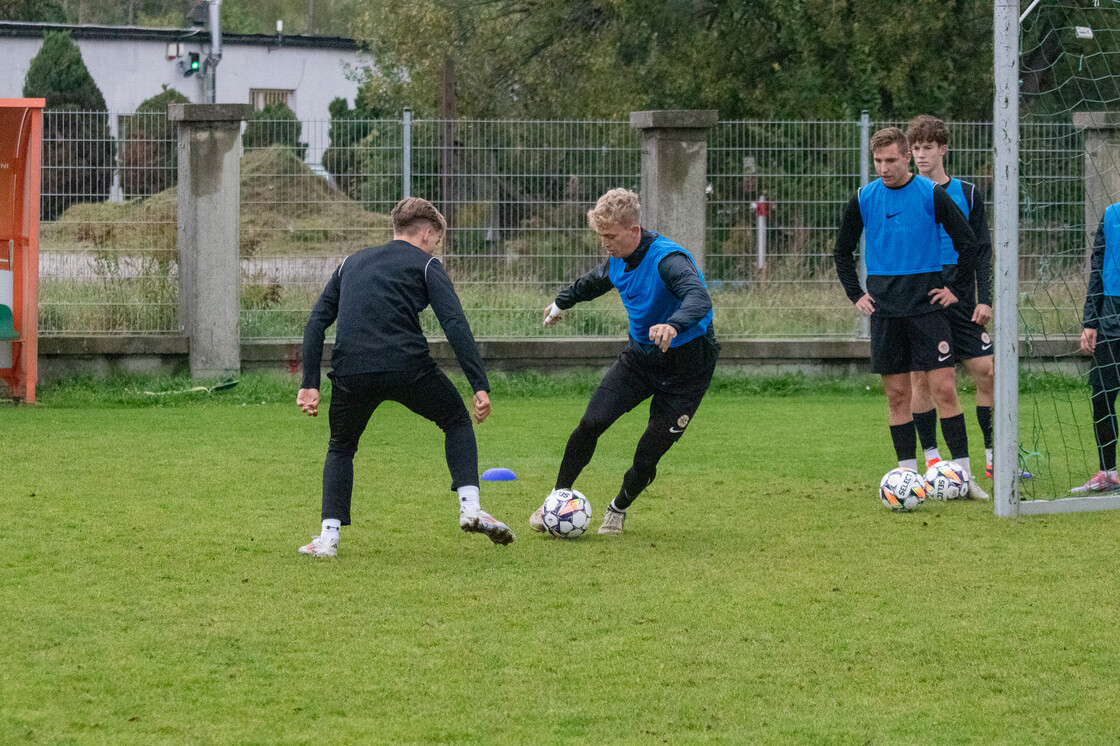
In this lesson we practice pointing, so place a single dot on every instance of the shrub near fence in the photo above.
(517, 194)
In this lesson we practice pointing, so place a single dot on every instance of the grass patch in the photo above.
(760, 595)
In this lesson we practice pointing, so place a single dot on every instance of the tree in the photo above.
(149, 150)
(275, 124)
(33, 11)
(77, 146)
(748, 58)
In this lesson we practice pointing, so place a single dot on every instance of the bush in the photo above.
(149, 151)
(275, 124)
(347, 128)
(77, 147)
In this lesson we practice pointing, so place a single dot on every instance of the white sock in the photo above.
(909, 463)
(615, 508)
(964, 464)
(330, 529)
(468, 498)
(988, 455)
(932, 453)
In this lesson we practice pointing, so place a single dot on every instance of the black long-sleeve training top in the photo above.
(677, 272)
(376, 295)
(904, 295)
(1102, 312)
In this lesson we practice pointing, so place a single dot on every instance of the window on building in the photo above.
(262, 97)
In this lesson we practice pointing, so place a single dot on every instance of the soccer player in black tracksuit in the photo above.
(381, 354)
(907, 287)
(671, 354)
(1101, 339)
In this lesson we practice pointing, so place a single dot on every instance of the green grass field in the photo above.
(760, 594)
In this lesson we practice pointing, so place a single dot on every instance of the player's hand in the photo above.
(942, 297)
(308, 401)
(662, 335)
(865, 305)
(481, 406)
(551, 314)
(982, 315)
(1089, 340)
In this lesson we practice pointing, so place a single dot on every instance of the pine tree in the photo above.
(77, 146)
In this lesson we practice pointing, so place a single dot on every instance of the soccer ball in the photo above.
(902, 489)
(567, 513)
(946, 480)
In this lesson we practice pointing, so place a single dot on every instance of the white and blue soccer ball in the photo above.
(947, 480)
(567, 514)
(902, 489)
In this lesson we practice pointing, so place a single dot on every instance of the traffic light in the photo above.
(193, 64)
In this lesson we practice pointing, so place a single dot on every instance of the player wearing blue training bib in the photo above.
(901, 216)
(670, 356)
(1101, 339)
(929, 142)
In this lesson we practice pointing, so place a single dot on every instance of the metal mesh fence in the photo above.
(515, 194)
(108, 238)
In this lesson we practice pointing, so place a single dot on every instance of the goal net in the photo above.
(1069, 173)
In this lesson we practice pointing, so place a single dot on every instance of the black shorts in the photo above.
(902, 344)
(677, 381)
(1104, 376)
(970, 339)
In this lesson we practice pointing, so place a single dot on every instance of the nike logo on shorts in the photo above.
(943, 358)
(675, 430)
(889, 216)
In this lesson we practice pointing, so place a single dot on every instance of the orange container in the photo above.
(21, 139)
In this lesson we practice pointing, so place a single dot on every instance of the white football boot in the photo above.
(536, 521)
(481, 522)
(612, 522)
(320, 547)
(977, 492)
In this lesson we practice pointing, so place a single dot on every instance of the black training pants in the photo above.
(1104, 382)
(677, 382)
(427, 392)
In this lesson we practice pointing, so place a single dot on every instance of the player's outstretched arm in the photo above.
(552, 314)
(590, 286)
(308, 401)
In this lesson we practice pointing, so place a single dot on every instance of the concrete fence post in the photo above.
(209, 206)
(675, 173)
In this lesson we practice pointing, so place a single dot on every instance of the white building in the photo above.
(130, 64)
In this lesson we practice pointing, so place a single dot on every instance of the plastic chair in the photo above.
(8, 331)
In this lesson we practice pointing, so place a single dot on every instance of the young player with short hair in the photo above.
(1101, 339)
(671, 354)
(901, 216)
(929, 142)
(380, 354)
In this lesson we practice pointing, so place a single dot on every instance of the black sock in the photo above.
(956, 437)
(905, 441)
(926, 425)
(984, 417)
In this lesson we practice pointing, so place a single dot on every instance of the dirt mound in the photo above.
(286, 210)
